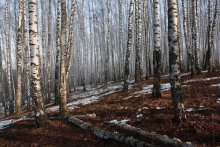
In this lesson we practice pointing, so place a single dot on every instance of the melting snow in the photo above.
(190, 109)
(88, 97)
(5, 123)
(218, 101)
(139, 115)
(207, 79)
(215, 85)
(124, 121)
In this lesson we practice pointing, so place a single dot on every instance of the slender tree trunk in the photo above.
(27, 58)
(121, 37)
(41, 118)
(129, 43)
(108, 43)
(84, 47)
(146, 28)
(186, 34)
(19, 60)
(48, 98)
(157, 50)
(216, 12)
(209, 30)
(8, 48)
(173, 37)
(138, 18)
(212, 27)
(195, 36)
(70, 41)
(58, 56)
(63, 79)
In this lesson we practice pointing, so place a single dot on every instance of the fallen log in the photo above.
(129, 141)
(164, 140)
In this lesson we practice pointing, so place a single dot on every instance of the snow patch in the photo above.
(124, 121)
(87, 97)
(5, 123)
(215, 85)
(139, 115)
(190, 109)
(207, 79)
(218, 101)
(165, 86)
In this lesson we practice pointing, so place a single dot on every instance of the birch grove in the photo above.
(50, 49)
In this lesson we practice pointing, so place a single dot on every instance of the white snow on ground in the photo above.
(207, 79)
(124, 121)
(149, 88)
(165, 86)
(190, 109)
(5, 123)
(218, 101)
(85, 98)
(215, 85)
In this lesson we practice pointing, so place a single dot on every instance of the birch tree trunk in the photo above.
(121, 37)
(195, 36)
(40, 116)
(138, 19)
(146, 28)
(70, 41)
(48, 98)
(210, 54)
(108, 43)
(27, 58)
(63, 79)
(8, 49)
(173, 37)
(58, 56)
(157, 50)
(186, 34)
(84, 47)
(71, 37)
(129, 42)
(19, 60)
(209, 29)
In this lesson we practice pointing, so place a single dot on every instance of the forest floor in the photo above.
(106, 107)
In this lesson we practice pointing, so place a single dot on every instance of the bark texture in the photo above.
(173, 38)
(19, 60)
(129, 42)
(40, 116)
(128, 141)
(157, 50)
(63, 78)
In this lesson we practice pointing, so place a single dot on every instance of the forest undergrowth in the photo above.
(137, 108)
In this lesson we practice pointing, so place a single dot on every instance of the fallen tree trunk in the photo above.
(161, 139)
(107, 134)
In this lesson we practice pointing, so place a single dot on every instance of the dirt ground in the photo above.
(202, 127)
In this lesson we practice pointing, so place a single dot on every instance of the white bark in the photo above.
(40, 115)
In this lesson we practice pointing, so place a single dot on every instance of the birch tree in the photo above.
(186, 33)
(108, 42)
(195, 36)
(157, 50)
(58, 54)
(27, 58)
(40, 116)
(19, 60)
(8, 48)
(138, 19)
(63, 79)
(121, 36)
(129, 43)
(48, 98)
(173, 38)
